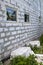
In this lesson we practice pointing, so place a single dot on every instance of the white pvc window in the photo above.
(11, 14)
(26, 17)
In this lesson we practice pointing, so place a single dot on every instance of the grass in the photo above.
(21, 60)
(1, 63)
(40, 64)
(37, 50)
(41, 40)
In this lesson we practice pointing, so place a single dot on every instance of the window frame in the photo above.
(27, 15)
(14, 8)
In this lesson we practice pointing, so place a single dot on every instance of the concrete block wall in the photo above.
(15, 34)
(41, 16)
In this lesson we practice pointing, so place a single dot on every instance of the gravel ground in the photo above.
(7, 62)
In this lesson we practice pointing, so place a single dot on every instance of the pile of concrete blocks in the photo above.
(39, 57)
(22, 51)
(35, 43)
(25, 51)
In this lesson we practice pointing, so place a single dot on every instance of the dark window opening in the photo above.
(26, 17)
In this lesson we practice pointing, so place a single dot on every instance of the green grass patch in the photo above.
(20, 60)
(1, 63)
(41, 40)
(37, 50)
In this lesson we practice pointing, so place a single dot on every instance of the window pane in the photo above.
(11, 14)
(26, 17)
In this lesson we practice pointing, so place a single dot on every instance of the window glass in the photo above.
(11, 14)
(26, 17)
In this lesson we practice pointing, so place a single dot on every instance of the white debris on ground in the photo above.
(39, 57)
(25, 51)
(35, 43)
